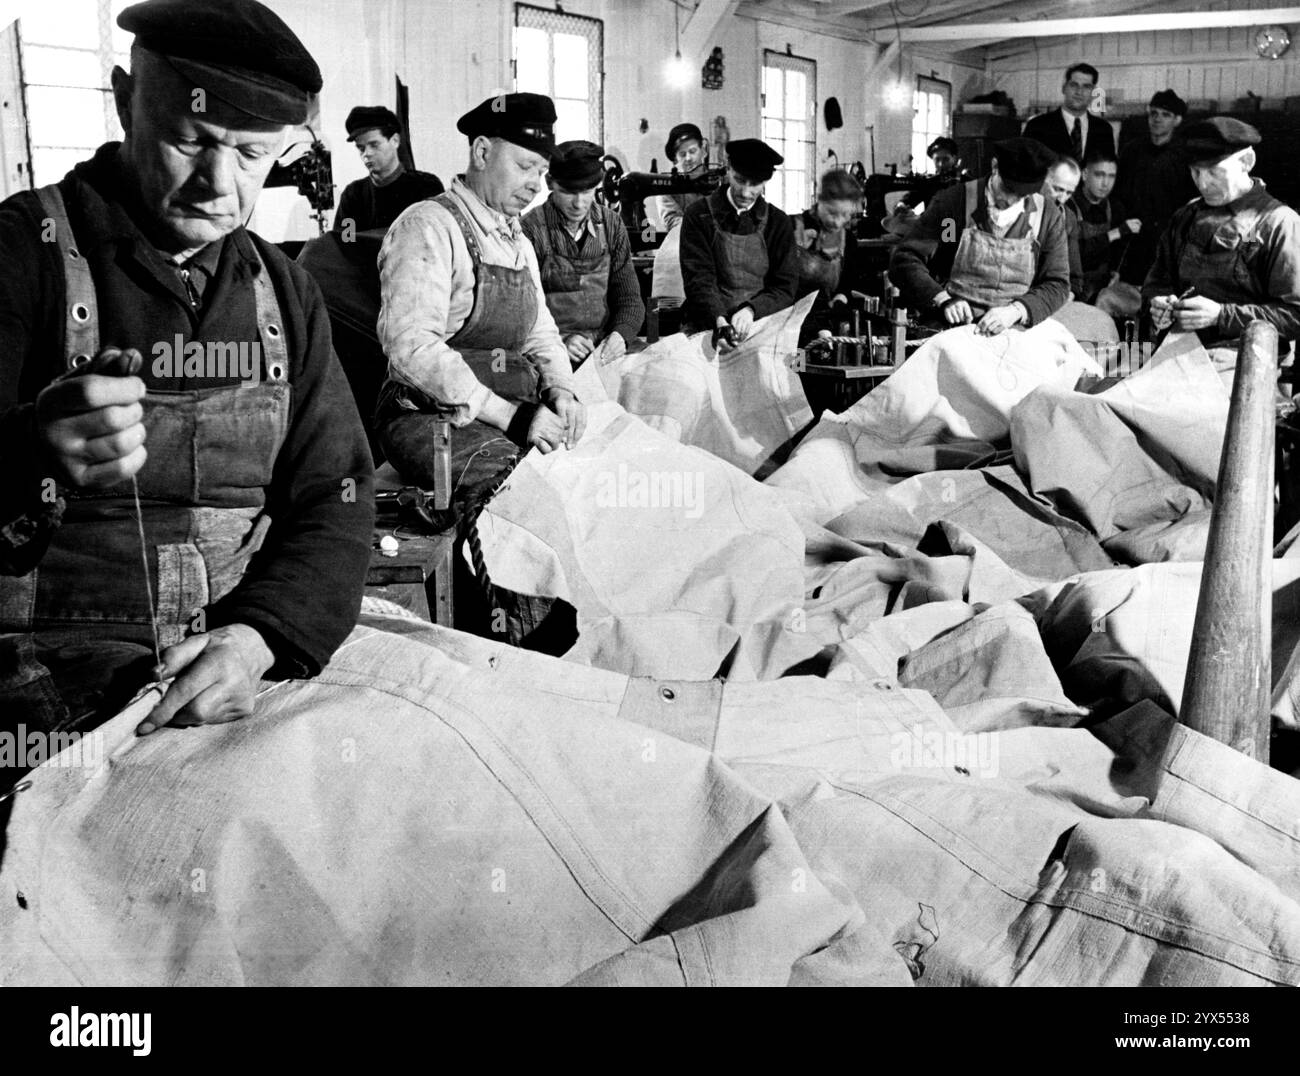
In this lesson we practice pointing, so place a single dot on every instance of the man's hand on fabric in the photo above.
(724, 337)
(743, 322)
(571, 413)
(958, 312)
(578, 345)
(1196, 312)
(613, 347)
(999, 319)
(217, 673)
(91, 429)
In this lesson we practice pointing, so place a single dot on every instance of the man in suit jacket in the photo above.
(1069, 130)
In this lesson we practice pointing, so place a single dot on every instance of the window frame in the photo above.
(929, 84)
(529, 16)
(786, 62)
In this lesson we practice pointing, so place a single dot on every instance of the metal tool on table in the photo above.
(119, 362)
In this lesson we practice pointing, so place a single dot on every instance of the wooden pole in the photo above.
(1228, 687)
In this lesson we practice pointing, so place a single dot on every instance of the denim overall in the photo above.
(503, 314)
(75, 632)
(989, 271)
(577, 286)
(742, 261)
(1218, 261)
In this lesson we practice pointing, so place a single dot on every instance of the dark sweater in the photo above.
(372, 206)
(704, 303)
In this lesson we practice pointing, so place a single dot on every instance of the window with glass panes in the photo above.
(790, 128)
(68, 51)
(932, 117)
(562, 56)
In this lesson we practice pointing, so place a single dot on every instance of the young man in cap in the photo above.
(585, 258)
(464, 321)
(991, 251)
(1103, 224)
(1153, 181)
(688, 151)
(376, 200)
(253, 481)
(1236, 245)
(739, 261)
(946, 158)
(1070, 131)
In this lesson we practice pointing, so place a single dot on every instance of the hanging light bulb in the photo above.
(677, 71)
(896, 94)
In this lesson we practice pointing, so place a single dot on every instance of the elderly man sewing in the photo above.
(585, 258)
(464, 321)
(127, 288)
(1233, 254)
(991, 251)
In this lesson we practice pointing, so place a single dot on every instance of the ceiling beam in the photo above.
(701, 27)
(1108, 24)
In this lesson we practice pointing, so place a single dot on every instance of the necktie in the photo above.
(1076, 140)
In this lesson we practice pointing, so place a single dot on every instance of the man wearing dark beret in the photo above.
(147, 339)
(993, 251)
(738, 256)
(585, 257)
(1153, 181)
(375, 201)
(464, 321)
(1236, 247)
(687, 151)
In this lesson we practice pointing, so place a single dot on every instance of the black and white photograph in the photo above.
(633, 493)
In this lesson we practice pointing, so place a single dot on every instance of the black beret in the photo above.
(1169, 101)
(1218, 137)
(753, 158)
(239, 51)
(1023, 162)
(526, 119)
(678, 134)
(577, 166)
(369, 118)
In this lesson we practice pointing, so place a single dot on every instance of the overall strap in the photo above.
(972, 200)
(270, 322)
(458, 215)
(81, 312)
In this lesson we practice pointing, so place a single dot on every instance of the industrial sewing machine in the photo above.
(312, 173)
(627, 192)
(880, 184)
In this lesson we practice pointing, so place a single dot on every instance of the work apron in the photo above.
(989, 270)
(75, 631)
(503, 314)
(741, 260)
(1218, 265)
(577, 286)
(819, 269)
(1095, 277)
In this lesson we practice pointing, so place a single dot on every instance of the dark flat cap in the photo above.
(526, 119)
(1218, 137)
(1023, 163)
(1169, 101)
(679, 134)
(753, 158)
(239, 51)
(369, 118)
(577, 166)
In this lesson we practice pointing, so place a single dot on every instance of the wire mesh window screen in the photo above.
(68, 51)
(563, 56)
(790, 127)
(931, 117)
